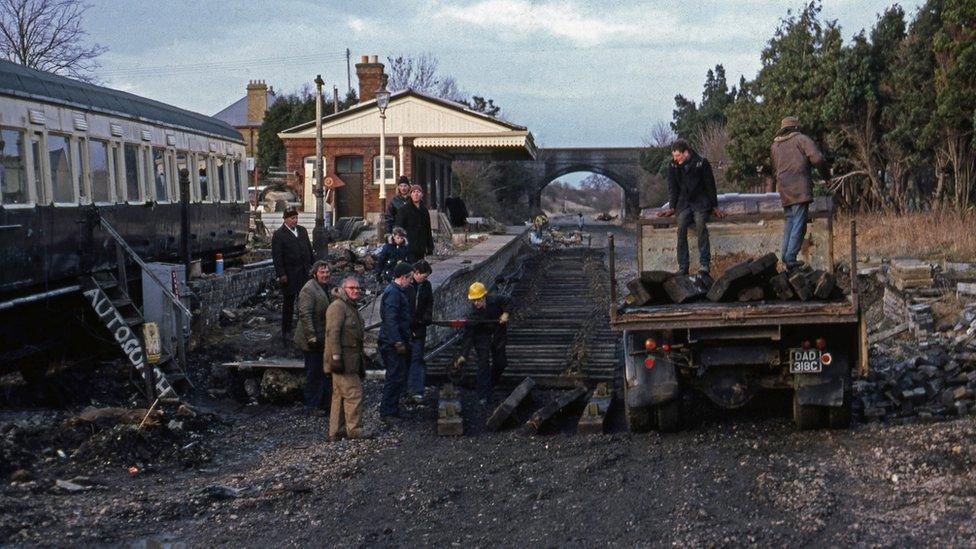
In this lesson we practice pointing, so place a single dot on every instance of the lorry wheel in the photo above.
(638, 419)
(807, 416)
(668, 416)
(839, 417)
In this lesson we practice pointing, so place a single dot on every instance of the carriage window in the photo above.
(203, 169)
(80, 161)
(222, 179)
(239, 181)
(131, 155)
(38, 169)
(117, 168)
(160, 174)
(148, 185)
(59, 156)
(13, 176)
(183, 170)
(98, 169)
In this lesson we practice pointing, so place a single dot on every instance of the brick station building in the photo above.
(424, 135)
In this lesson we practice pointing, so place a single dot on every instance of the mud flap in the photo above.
(826, 388)
(652, 386)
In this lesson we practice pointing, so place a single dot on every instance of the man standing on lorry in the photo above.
(793, 155)
(693, 198)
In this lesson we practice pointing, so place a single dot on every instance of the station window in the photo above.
(59, 159)
(101, 181)
(13, 173)
(390, 166)
(131, 157)
(222, 180)
(160, 174)
(203, 171)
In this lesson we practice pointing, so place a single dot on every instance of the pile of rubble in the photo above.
(753, 280)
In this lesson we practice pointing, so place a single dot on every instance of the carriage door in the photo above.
(349, 198)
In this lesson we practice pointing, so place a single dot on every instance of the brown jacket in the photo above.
(344, 333)
(793, 156)
(312, 303)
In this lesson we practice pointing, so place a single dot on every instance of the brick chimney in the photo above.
(369, 71)
(257, 101)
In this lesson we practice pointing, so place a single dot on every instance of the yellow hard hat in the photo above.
(477, 291)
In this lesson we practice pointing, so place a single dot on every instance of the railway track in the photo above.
(559, 333)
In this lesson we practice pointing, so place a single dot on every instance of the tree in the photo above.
(419, 73)
(48, 35)
(689, 118)
(289, 111)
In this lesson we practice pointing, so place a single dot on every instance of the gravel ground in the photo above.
(265, 475)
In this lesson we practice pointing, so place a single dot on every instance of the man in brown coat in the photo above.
(313, 301)
(793, 155)
(344, 332)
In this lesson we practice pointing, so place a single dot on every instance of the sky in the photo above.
(577, 73)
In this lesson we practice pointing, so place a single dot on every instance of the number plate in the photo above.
(805, 361)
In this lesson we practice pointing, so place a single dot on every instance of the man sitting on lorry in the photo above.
(693, 198)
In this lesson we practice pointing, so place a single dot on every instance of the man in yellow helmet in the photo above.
(486, 330)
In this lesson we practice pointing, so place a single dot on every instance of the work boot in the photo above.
(337, 437)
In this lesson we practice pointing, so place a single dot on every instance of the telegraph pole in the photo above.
(320, 243)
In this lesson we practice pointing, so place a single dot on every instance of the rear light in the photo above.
(826, 359)
(666, 348)
(650, 344)
(821, 343)
(805, 345)
(649, 362)
(457, 324)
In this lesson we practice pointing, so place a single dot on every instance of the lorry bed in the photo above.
(757, 313)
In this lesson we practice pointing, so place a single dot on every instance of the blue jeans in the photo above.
(685, 218)
(318, 384)
(794, 231)
(396, 380)
(417, 378)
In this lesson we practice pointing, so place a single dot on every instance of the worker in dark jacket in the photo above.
(486, 330)
(793, 155)
(291, 253)
(693, 198)
(415, 219)
(421, 297)
(313, 301)
(393, 252)
(399, 200)
(457, 211)
(394, 339)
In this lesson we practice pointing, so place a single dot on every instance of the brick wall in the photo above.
(232, 289)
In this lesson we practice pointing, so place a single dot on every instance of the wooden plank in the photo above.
(729, 281)
(765, 266)
(684, 288)
(801, 286)
(449, 422)
(823, 284)
(594, 418)
(966, 289)
(781, 286)
(886, 334)
(638, 293)
(503, 414)
(544, 418)
(752, 293)
(655, 277)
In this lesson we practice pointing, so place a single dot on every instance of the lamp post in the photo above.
(382, 102)
(320, 238)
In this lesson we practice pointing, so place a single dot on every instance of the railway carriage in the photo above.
(72, 153)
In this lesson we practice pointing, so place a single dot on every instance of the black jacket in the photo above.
(292, 257)
(421, 296)
(487, 333)
(395, 315)
(692, 185)
(416, 221)
(457, 211)
(387, 258)
(397, 202)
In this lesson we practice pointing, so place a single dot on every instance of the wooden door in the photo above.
(349, 198)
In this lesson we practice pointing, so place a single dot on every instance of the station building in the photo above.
(424, 134)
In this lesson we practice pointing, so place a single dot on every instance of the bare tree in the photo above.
(48, 35)
(661, 135)
(417, 73)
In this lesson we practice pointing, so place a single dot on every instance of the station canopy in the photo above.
(432, 124)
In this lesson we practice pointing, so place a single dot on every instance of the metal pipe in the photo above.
(38, 297)
(319, 244)
(256, 264)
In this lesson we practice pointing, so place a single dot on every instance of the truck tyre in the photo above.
(839, 417)
(638, 419)
(808, 416)
(668, 416)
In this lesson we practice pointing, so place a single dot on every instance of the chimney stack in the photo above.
(257, 101)
(369, 71)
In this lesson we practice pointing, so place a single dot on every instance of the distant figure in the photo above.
(579, 222)
(457, 211)
(415, 219)
(399, 200)
(313, 301)
(693, 198)
(344, 335)
(793, 155)
(394, 339)
(291, 253)
(421, 297)
(394, 251)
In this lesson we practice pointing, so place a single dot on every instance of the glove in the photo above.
(400, 348)
(312, 341)
(503, 319)
(336, 364)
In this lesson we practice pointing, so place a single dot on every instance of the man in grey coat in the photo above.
(793, 156)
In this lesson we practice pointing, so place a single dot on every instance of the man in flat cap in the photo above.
(291, 253)
(793, 156)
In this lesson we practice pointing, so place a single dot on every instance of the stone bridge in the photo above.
(621, 165)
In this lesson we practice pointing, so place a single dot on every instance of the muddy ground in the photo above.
(264, 475)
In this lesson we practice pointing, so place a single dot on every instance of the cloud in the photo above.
(357, 24)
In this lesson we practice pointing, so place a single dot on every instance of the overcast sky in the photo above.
(576, 72)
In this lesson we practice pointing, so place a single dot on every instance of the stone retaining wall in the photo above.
(212, 293)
